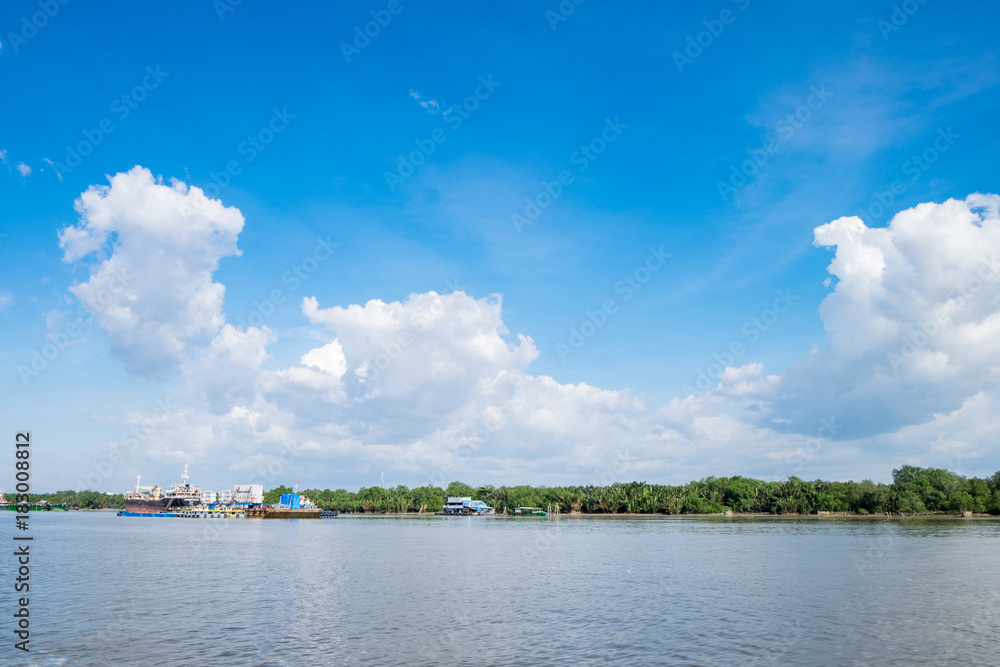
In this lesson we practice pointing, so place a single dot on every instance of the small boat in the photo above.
(40, 506)
(529, 511)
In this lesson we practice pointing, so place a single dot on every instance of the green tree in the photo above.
(430, 496)
(459, 490)
(271, 497)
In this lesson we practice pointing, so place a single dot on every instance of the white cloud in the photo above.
(430, 106)
(912, 323)
(152, 292)
(49, 162)
(435, 388)
(6, 301)
(23, 169)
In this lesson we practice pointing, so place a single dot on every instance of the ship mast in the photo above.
(184, 477)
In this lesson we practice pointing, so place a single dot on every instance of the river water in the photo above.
(108, 590)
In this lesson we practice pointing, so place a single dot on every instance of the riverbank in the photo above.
(831, 516)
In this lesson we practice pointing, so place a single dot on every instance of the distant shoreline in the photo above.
(623, 515)
(832, 516)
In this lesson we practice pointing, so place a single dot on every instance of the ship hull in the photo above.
(272, 513)
(292, 514)
(33, 508)
(153, 506)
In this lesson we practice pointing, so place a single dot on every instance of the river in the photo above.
(109, 590)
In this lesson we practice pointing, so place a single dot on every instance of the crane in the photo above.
(154, 490)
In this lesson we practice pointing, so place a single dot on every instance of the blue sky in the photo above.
(817, 110)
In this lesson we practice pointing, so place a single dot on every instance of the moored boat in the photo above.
(289, 506)
(177, 497)
(40, 506)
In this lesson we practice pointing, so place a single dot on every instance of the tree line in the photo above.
(83, 500)
(913, 491)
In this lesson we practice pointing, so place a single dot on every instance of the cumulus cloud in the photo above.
(431, 387)
(434, 387)
(912, 322)
(23, 169)
(156, 247)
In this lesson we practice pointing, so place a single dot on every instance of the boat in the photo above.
(529, 511)
(40, 506)
(467, 506)
(178, 496)
(43, 506)
(289, 506)
(244, 501)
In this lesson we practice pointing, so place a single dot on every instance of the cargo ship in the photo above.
(178, 496)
